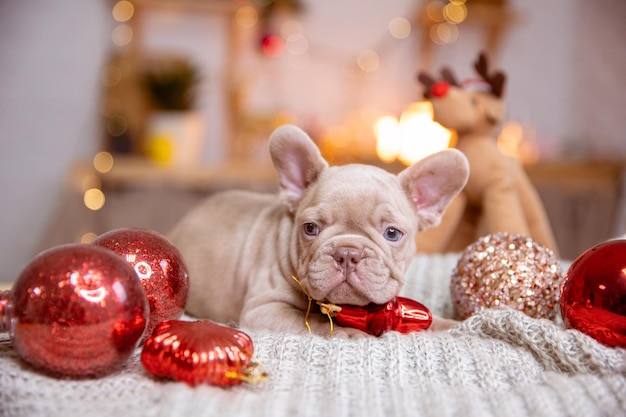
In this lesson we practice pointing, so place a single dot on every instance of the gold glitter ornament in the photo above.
(506, 270)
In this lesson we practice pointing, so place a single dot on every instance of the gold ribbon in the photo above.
(326, 308)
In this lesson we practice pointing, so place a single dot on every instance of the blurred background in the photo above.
(126, 113)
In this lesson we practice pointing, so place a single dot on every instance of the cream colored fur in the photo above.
(334, 228)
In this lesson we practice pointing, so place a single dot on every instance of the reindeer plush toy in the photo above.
(498, 196)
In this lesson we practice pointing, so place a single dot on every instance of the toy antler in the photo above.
(448, 76)
(496, 80)
(427, 81)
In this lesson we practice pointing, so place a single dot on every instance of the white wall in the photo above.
(50, 57)
(565, 59)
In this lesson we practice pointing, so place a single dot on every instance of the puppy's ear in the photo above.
(433, 182)
(297, 160)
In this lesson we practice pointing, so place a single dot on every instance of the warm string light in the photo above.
(444, 16)
(291, 40)
(413, 137)
(122, 12)
(91, 185)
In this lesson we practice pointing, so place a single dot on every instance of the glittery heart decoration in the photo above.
(593, 293)
(400, 314)
(75, 310)
(158, 264)
(201, 352)
(509, 270)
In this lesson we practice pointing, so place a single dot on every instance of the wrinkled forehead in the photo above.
(357, 181)
(363, 187)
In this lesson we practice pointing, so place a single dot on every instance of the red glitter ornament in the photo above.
(400, 314)
(158, 264)
(201, 352)
(593, 293)
(75, 310)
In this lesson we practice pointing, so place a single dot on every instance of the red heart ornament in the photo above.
(201, 352)
(400, 314)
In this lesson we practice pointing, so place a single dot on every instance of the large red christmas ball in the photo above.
(77, 310)
(158, 264)
(593, 293)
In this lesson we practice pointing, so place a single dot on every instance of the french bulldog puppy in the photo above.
(347, 233)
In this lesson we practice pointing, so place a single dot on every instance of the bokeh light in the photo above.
(387, 135)
(291, 28)
(455, 12)
(103, 162)
(111, 75)
(246, 17)
(88, 237)
(94, 199)
(400, 28)
(297, 44)
(443, 33)
(434, 10)
(123, 11)
(122, 35)
(116, 125)
(368, 61)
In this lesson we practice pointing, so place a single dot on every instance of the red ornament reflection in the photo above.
(593, 293)
(158, 264)
(75, 310)
(400, 314)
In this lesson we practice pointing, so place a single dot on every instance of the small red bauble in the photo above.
(400, 314)
(158, 264)
(75, 310)
(593, 293)
(201, 352)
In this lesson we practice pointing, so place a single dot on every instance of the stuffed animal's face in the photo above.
(467, 111)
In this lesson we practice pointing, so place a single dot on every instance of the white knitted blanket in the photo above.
(497, 363)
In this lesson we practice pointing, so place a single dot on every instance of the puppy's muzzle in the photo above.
(346, 259)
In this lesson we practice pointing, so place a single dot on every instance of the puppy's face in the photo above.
(354, 232)
(354, 226)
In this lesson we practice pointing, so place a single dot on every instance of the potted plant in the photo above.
(174, 129)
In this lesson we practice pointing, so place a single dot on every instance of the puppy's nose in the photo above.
(347, 259)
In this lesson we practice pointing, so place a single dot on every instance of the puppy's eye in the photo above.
(392, 234)
(311, 229)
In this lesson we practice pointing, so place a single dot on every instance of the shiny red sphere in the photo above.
(593, 293)
(158, 264)
(77, 310)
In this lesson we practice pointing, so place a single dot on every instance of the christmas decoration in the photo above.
(593, 293)
(400, 314)
(201, 352)
(506, 270)
(158, 264)
(75, 310)
(499, 196)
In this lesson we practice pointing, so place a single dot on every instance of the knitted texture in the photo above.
(496, 363)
